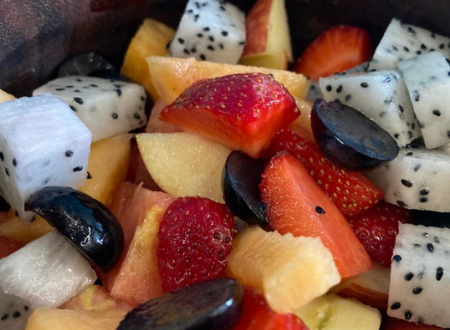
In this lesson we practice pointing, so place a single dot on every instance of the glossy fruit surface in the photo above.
(241, 177)
(87, 223)
(208, 305)
(88, 64)
(350, 139)
(195, 238)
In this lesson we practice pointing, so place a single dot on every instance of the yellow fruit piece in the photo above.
(17, 230)
(151, 39)
(171, 76)
(331, 312)
(290, 271)
(277, 60)
(108, 164)
(66, 319)
(5, 96)
(184, 164)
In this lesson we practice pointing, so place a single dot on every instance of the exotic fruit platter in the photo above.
(254, 165)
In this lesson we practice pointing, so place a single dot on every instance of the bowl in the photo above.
(38, 34)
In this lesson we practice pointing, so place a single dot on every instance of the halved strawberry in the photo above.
(335, 50)
(350, 191)
(241, 111)
(296, 204)
(377, 229)
(257, 315)
(195, 239)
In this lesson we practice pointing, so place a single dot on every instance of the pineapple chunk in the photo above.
(290, 271)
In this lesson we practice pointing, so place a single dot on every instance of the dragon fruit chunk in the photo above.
(420, 284)
(42, 142)
(14, 312)
(46, 272)
(107, 107)
(402, 42)
(381, 96)
(416, 179)
(428, 82)
(212, 30)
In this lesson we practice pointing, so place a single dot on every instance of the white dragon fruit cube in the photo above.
(381, 96)
(210, 30)
(402, 42)
(107, 107)
(42, 143)
(420, 281)
(416, 179)
(427, 78)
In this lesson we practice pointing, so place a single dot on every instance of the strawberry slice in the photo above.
(257, 315)
(350, 191)
(241, 111)
(377, 228)
(296, 204)
(335, 50)
(195, 239)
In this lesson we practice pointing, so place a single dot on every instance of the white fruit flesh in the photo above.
(290, 271)
(184, 164)
(14, 312)
(419, 275)
(46, 272)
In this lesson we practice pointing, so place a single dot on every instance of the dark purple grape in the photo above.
(86, 222)
(241, 177)
(213, 304)
(88, 64)
(350, 139)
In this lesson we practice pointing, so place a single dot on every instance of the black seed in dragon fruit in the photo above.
(428, 81)
(211, 30)
(107, 107)
(403, 42)
(381, 96)
(14, 312)
(416, 179)
(420, 281)
(46, 272)
(42, 142)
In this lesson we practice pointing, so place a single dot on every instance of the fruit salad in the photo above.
(213, 183)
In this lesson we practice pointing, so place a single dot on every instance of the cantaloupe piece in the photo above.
(171, 76)
(184, 164)
(107, 166)
(290, 271)
(66, 319)
(17, 230)
(331, 312)
(5, 96)
(151, 39)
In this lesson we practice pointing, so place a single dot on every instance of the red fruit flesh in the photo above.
(350, 191)
(297, 205)
(8, 246)
(335, 50)
(377, 229)
(195, 239)
(257, 315)
(241, 111)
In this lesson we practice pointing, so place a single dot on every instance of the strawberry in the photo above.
(195, 238)
(350, 191)
(241, 111)
(335, 50)
(257, 315)
(377, 228)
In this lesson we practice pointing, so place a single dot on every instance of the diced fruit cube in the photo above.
(8, 246)
(5, 96)
(257, 315)
(195, 238)
(290, 271)
(331, 312)
(42, 143)
(171, 76)
(150, 39)
(65, 319)
(16, 229)
(241, 111)
(156, 125)
(297, 205)
(184, 164)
